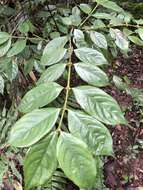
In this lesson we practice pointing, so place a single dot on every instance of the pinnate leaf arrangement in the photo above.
(83, 53)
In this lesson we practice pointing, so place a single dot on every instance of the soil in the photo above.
(125, 171)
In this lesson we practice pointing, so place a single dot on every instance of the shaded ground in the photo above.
(126, 170)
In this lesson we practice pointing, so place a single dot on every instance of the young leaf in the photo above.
(4, 36)
(33, 126)
(91, 131)
(54, 51)
(52, 73)
(120, 39)
(17, 48)
(41, 162)
(40, 96)
(91, 56)
(99, 39)
(5, 47)
(76, 160)
(109, 5)
(1, 85)
(91, 74)
(99, 105)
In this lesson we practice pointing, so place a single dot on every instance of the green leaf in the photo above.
(54, 51)
(11, 69)
(33, 126)
(91, 131)
(99, 104)
(109, 5)
(91, 56)
(120, 39)
(24, 27)
(102, 16)
(4, 36)
(40, 96)
(76, 19)
(85, 8)
(41, 162)
(136, 40)
(99, 39)
(76, 160)
(91, 74)
(79, 38)
(66, 20)
(1, 85)
(5, 47)
(119, 83)
(3, 170)
(52, 73)
(17, 48)
(140, 32)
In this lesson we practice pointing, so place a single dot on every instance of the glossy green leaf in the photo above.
(1, 85)
(91, 74)
(79, 38)
(76, 160)
(120, 39)
(17, 48)
(136, 40)
(52, 73)
(54, 51)
(33, 126)
(140, 32)
(91, 131)
(41, 162)
(99, 39)
(40, 96)
(85, 8)
(109, 5)
(5, 47)
(99, 104)
(91, 56)
(4, 36)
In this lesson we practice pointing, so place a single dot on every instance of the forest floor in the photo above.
(125, 171)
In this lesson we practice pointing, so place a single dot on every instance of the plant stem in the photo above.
(24, 37)
(67, 87)
(118, 25)
(83, 22)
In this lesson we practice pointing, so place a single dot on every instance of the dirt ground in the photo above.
(125, 171)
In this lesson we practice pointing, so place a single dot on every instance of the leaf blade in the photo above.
(91, 56)
(91, 74)
(41, 162)
(17, 48)
(26, 131)
(76, 161)
(54, 51)
(52, 73)
(39, 96)
(99, 104)
(91, 131)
